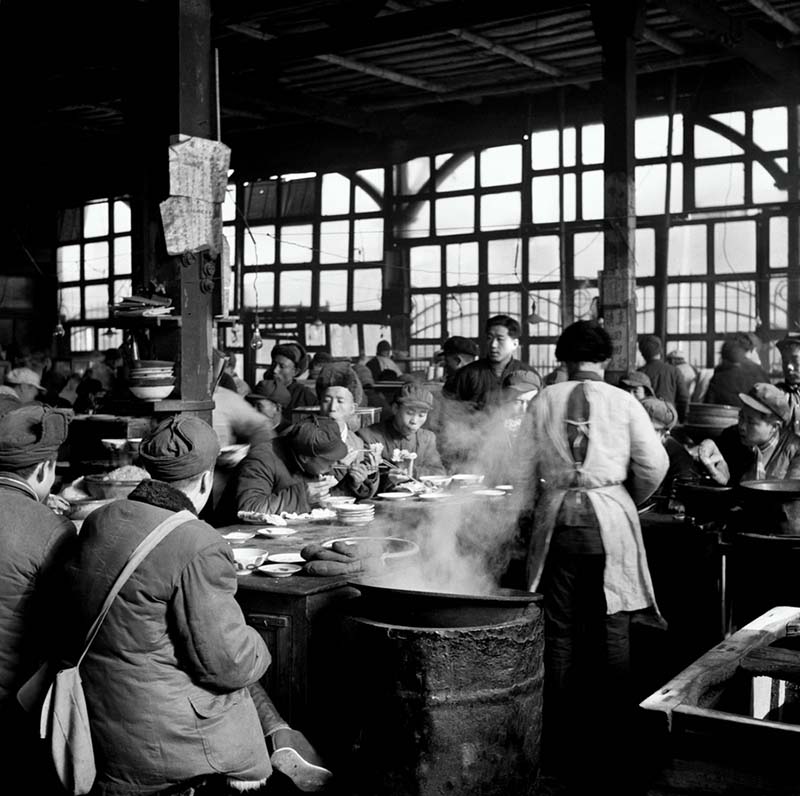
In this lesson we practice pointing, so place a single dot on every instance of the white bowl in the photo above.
(152, 393)
(249, 557)
(116, 444)
(435, 480)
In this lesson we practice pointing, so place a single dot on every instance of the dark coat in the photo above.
(166, 677)
(668, 384)
(731, 378)
(33, 545)
(477, 384)
(300, 396)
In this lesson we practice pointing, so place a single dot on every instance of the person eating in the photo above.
(270, 398)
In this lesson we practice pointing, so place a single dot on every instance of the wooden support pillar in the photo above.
(793, 275)
(616, 31)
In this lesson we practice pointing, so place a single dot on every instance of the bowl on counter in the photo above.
(114, 444)
(81, 509)
(151, 393)
(99, 486)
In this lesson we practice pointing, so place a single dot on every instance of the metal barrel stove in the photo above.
(448, 697)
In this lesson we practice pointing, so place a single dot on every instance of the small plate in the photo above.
(432, 495)
(286, 558)
(278, 570)
(505, 487)
(394, 495)
(467, 478)
(489, 492)
(274, 532)
(238, 536)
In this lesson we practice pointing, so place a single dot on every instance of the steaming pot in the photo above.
(772, 505)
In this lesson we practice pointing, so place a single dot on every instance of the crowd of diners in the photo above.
(173, 679)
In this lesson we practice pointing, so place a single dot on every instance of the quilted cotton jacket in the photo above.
(166, 677)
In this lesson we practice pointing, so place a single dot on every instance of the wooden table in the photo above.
(298, 616)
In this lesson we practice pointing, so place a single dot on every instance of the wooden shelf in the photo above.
(136, 407)
(144, 320)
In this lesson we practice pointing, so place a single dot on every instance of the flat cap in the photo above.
(272, 390)
(459, 345)
(791, 339)
(635, 378)
(25, 376)
(415, 395)
(179, 447)
(32, 434)
(768, 400)
(523, 381)
(661, 412)
(319, 437)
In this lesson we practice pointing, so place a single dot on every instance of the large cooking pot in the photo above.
(704, 499)
(414, 608)
(772, 505)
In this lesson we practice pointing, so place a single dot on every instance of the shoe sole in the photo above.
(306, 776)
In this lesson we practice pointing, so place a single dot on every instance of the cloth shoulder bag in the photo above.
(63, 718)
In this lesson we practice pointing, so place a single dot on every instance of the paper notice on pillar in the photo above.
(198, 168)
(190, 225)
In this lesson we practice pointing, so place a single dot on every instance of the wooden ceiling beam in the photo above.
(738, 37)
(661, 40)
(775, 15)
(426, 21)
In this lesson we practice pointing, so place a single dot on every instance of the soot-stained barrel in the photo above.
(446, 710)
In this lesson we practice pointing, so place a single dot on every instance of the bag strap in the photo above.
(161, 531)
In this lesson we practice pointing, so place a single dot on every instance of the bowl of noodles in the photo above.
(116, 484)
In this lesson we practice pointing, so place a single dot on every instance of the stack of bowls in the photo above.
(151, 379)
(355, 513)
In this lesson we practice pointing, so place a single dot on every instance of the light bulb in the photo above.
(59, 330)
(255, 341)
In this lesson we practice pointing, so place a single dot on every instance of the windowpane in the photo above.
(455, 216)
(296, 243)
(68, 263)
(542, 356)
(122, 216)
(686, 308)
(335, 195)
(546, 199)
(122, 255)
(734, 247)
(687, 250)
(334, 242)
(501, 165)
(645, 251)
(592, 144)
(651, 136)
(259, 289)
(582, 303)
(456, 178)
(259, 245)
(778, 304)
(544, 150)
(504, 261)
(735, 306)
(367, 289)
(81, 338)
(414, 220)
(651, 183)
(592, 194)
(569, 197)
(426, 266)
(229, 233)
(95, 220)
(543, 258)
(95, 260)
(708, 144)
(295, 289)
(426, 315)
(95, 298)
(778, 242)
(368, 240)
(568, 147)
(412, 175)
(229, 204)
(365, 203)
(769, 128)
(676, 189)
(462, 264)
(548, 306)
(462, 314)
(764, 188)
(694, 351)
(500, 210)
(333, 291)
(588, 254)
(645, 309)
(122, 288)
(69, 303)
(507, 302)
(374, 177)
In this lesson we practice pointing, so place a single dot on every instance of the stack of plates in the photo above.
(355, 513)
(151, 380)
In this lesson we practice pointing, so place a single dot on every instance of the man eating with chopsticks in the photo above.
(407, 446)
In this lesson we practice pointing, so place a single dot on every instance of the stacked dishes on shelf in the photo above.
(355, 513)
(151, 380)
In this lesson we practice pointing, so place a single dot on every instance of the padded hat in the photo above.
(768, 400)
(635, 378)
(318, 437)
(340, 374)
(294, 351)
(271, 390)
(179, 447)
(660, 411)
(364, 375)
(459, 345)
(791, 339)
(523, 381)
(413, 394)
(32, 434)
(25, 376)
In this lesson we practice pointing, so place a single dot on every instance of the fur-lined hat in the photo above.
(340, 374)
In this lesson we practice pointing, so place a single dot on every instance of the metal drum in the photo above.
(447, 710)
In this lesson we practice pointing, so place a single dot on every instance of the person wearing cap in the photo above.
(287, 473)
(339, 391)
(403, 433)
(456, 353)
(666, 380)
(289, 362)
(761, 445)
(735, 373)
(637, 384)
(677, 358)
(520, 388)
(789, 348)
(318, 361)
(383, 362)
(26, 383)
(269, 398)
(34, 544)
(480, 383)
(593, 455)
